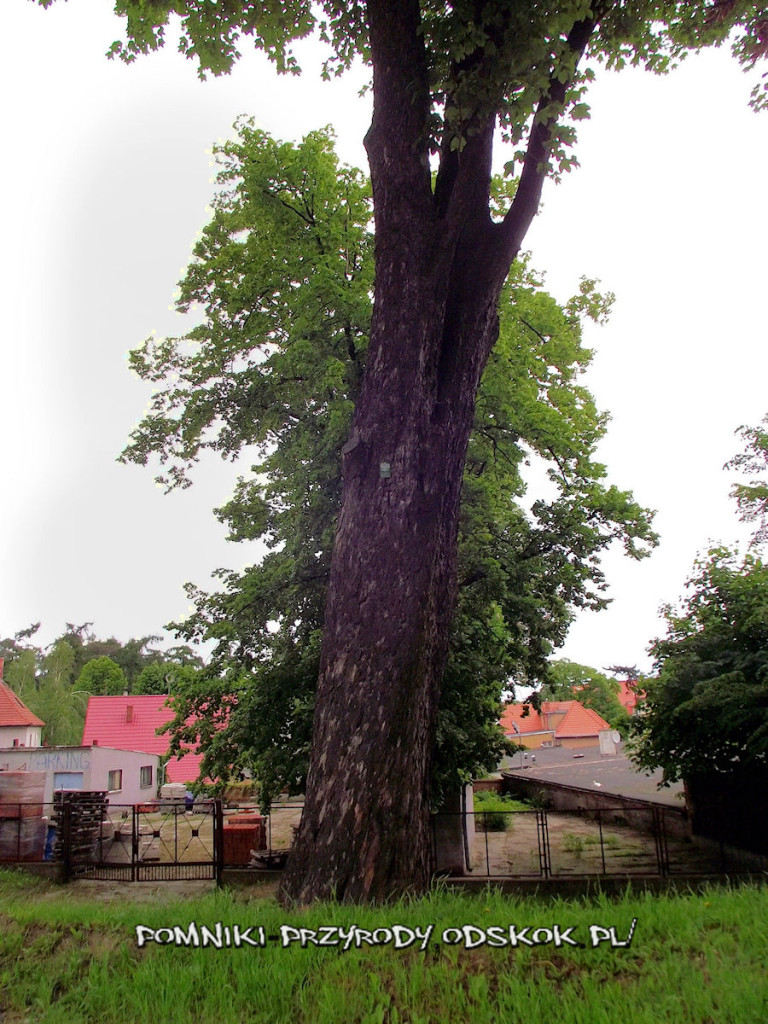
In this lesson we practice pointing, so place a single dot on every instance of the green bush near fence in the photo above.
(493, 811)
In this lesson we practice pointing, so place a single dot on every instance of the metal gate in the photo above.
(160, 842)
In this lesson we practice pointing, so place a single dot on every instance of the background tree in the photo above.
(567, 680)
(130, 656)
(102, 677)
(752, 495)
(22, 661)
(706, 712)
(55, 684)
(291, 224)
(44, 683)
(60, 705)
(163, 677)
(444, 78)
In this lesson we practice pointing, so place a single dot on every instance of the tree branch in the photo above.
(526, 202)
(398, 140)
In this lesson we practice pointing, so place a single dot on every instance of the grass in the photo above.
(694, 959)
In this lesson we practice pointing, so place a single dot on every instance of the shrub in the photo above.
(496, 811)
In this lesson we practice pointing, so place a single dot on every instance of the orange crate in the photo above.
(238, 841)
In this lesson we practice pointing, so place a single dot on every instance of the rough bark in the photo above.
(440, 264)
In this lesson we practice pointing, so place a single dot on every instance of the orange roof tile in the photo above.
(13, 710)
(629, 695)
(524, 716)
(580, 721)
(576, 720)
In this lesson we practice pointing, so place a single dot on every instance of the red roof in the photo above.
(131, 723)
(13, 710)
(566, 718)
(524, 716)
(629, 695)
(580, 721)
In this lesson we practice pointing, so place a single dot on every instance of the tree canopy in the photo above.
(567, 680)
(283, 273)
(706, 712)
(445, 78)
(752, 495)
(56, 682)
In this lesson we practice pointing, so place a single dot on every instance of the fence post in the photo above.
(602, 844)
(135, 825)
(542, 833)
(218, 839)
(660, 835)
(66, 837)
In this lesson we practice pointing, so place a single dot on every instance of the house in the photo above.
(18, 726)
(560, 723)
(131, 723)
(128, 776)
(629, 696)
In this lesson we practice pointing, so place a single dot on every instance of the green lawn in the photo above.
(697, 959)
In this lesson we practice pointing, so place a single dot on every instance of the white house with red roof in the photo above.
(18, 726)
(131, 723)
(560, 723)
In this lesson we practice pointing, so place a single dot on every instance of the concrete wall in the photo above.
(578, 742)
(85, 768)
(455, 834)
(533, 740)
(130, 762)
(20, 735)
(558, 797)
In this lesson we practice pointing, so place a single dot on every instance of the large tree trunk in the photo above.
(440, 264)
(365, 831)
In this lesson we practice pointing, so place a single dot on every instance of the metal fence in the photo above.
(92, 838)
(582, 843)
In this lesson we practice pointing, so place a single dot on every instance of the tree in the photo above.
(131, 656)
(163, 677)
(290, 223)
(444, 78)
(102, 677)
(61, 707)
(752, 495)
(706, 712)
(22, 661)
(567, 680)
(44, 683)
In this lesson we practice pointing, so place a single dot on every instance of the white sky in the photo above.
(104, 182)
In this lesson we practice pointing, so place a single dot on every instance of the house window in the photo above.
(115, 780)
(67, 780)
(145, 776)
